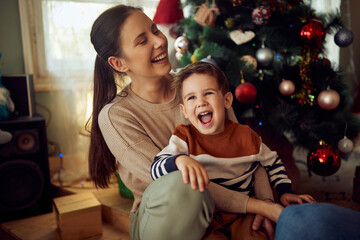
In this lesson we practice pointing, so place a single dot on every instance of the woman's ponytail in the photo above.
(105, 37)
(101, 161)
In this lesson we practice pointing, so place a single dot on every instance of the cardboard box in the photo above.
(78, 216)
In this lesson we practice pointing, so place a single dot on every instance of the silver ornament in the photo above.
(344, 37)
(345, 145)
(287, 87)
(264, 56)
(181, 44)
(328, 99)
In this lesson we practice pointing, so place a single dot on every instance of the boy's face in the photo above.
(204, 104)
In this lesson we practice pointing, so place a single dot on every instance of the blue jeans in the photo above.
(312, 221)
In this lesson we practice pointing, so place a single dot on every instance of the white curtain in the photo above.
(332, 51)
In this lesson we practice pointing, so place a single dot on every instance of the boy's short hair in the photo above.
(201, 68)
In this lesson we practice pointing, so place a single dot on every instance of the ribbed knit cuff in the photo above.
(283, 188)
(170, 165)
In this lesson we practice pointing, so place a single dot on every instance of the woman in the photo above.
(130, 128)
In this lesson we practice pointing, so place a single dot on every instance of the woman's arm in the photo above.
(236, 202)
(231, 115)
(262, 186)
(132, 148)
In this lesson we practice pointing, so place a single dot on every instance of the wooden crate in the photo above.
(78, 215)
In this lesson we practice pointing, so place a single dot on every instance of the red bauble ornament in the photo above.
(324, 160)
(326, 62)
(313, 33)
(246, 92)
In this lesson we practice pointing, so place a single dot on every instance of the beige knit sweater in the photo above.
(135, 130)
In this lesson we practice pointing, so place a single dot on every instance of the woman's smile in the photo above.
(144, 47)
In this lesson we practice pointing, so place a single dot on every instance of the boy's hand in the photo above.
(288, 198)
(192, 171)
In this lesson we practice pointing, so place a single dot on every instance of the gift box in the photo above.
(78, 215)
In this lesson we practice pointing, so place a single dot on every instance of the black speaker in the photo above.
(25, 188)
(21, 87)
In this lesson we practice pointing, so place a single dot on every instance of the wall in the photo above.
(350, 56)
(10, 38)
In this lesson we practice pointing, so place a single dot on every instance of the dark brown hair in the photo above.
(105, 37)
(201, 68)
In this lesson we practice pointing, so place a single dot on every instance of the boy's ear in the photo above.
(182, 107)
(228, 99)
(118, 64)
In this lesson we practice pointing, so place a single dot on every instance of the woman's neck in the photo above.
(154, 91)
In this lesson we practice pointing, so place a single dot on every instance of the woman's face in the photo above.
(144, 47)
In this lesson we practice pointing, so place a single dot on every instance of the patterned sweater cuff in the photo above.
(283, 188)
(170, 165)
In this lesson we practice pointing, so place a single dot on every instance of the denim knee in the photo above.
(318, 221)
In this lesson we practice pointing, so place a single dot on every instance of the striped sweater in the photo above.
(230, 158)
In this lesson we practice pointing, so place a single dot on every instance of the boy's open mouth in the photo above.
(205, 117)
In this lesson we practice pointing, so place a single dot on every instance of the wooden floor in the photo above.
(115, 215)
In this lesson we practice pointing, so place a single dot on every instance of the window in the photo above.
(57, 38)
(58, 52)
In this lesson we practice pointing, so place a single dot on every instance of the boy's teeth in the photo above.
(204, 113)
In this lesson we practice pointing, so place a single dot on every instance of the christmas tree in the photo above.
(272, 53)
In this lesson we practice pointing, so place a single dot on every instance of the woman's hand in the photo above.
(267, 224)
(288, 198)
(192, 171)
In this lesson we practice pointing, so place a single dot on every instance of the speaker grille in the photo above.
(23, 142)
(21, 184)
(25, 188)
(26, 141)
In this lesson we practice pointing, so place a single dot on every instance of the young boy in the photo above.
(213, 147)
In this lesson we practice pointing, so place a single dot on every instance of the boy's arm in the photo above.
(279, 179)
(192, 172)
(175, 157)
(275, 169)
(164, 161)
